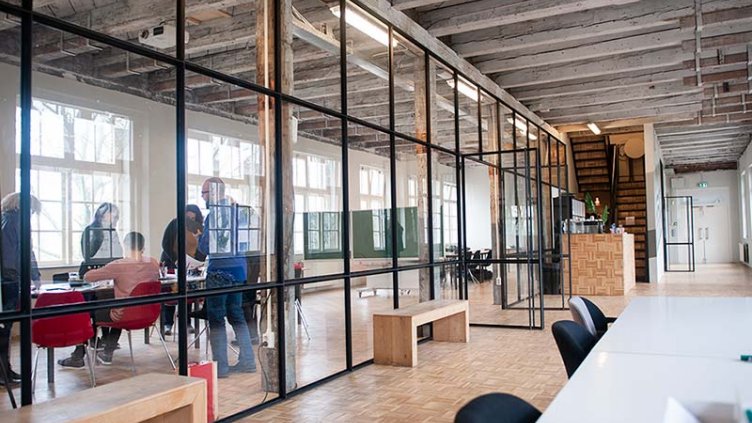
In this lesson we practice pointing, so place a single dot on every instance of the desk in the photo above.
(660, 347)
(684, 326)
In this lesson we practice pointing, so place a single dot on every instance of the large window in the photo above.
(372, 191)
(316, 180)
(81, 159)
(232, 159)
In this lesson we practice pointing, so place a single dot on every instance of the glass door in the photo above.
(679, 234)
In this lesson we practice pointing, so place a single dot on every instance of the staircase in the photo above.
(591, 164)
(631, 200)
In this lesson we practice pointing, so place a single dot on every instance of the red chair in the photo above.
(141, 317)
(61, 331)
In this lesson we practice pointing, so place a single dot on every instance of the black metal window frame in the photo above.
(181, 64)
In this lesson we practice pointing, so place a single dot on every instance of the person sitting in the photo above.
(194, 221)
(100, 242)
(126, 274)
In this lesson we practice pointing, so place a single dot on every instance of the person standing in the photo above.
(224, 269)
(10, 227)
(194, 221)
(126, 272)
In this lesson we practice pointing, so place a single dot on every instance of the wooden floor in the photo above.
(523, 362)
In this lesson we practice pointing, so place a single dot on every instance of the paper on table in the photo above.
(677, 413)
(192, 263)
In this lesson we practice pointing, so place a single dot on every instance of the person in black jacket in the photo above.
(194, 221)
(10, 269)
(100, 239)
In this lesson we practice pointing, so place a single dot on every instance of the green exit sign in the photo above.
(702, 184)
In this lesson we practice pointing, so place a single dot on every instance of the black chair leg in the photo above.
(6, 379)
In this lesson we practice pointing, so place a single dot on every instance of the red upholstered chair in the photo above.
(61, 331)
(141, 317)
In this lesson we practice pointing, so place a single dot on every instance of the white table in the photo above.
(660, 347)
(690, 326)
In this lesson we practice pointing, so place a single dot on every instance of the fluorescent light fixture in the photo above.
(593, 127)
(465, 88)
(522, 127)
(364, 25)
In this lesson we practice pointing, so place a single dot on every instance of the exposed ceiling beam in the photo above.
(583, 25)
(646, 112)
(579, 113)
(613, 95)
(489, 13)
(614, 66)
(692, 168)
(414, 4)
(512, 61)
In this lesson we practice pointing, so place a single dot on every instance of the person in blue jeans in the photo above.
(224, 269)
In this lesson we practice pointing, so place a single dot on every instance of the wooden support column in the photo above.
(265, 71)
(496, 198)
(421, 133)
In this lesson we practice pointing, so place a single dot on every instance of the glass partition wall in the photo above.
(269, 177)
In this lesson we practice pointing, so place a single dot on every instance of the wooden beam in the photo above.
(509, 61)
(642, 112)
(413, 4)
(489, 13)
(614, 95)
(580, 26)
(694, 98)
(692, 168)
(564, 89)
(615, 66)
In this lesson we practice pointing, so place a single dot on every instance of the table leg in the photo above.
(146, 335)
(50, 365)
(196, 327)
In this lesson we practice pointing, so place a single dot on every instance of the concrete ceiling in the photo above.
(681, 64)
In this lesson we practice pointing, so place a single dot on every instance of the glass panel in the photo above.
(370, 198)
(227, 163)
(507, 126)
(446, 280)
(442, 106)
(489, 121)
(317, 320)
(468, 107)
(680, 234)
(60, 378)
(412, 202)
(151, 27)
(445, 206)
(316, 54)
(10, 183)
(415, 286)
(367, 66)
(11, 350)
(409, 89)
(369, 295)
(253, 366)
(317, 186)
(100, 167)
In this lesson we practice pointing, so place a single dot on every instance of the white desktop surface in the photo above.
(718, 327)
(620, 387)
(683, 347)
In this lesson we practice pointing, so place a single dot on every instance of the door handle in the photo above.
(707, 233)
(699, 234)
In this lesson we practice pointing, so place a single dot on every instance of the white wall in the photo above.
(722, 186)
(654, 205)
(478, 208)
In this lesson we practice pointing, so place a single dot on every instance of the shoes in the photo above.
(104, 357)
(13, 376)
(73, 362)
(242, 369)
(191, 330)
(168, 330)
(234, 343)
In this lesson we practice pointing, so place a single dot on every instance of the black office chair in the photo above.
(574, 342)
(599, 319)
(497, 408)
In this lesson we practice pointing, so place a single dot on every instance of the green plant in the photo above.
(589, 203)
(604, 214)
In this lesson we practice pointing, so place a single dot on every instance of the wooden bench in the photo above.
(395, 333)
(146, 398)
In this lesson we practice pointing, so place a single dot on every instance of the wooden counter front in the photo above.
(602, 264)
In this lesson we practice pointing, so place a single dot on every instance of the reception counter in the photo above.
(602, 264)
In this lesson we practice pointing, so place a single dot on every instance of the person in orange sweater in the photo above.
(126, 273)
